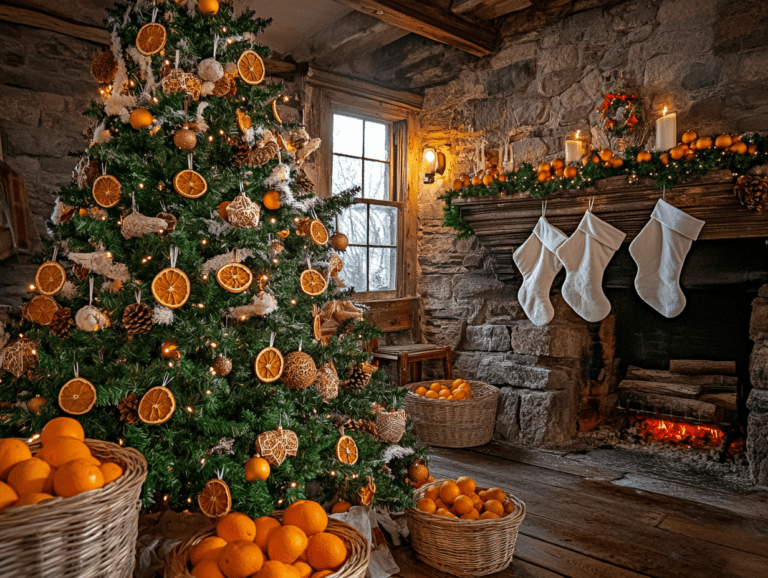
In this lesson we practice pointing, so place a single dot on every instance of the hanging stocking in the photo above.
(539, 264)
(659, 251)
(585, 256)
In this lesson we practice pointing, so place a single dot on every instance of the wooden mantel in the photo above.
(503, 222)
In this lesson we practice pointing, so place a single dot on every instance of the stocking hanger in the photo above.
(591, 204)
(544, 208)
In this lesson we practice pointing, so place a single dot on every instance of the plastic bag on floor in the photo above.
(365, 520)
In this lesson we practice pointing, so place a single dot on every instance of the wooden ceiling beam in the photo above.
(489, 9)
(428, 19)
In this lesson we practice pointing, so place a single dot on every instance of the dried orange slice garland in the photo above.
(215, 500)
(157, 405)
(151, 39)
(106, 191)
(269, 363)
(190, 184)
(50, 278)
(234, 277)
(40, 310)
(346, 450)
(171, 287)
(77, 396)
(313, 282)
(251, 68)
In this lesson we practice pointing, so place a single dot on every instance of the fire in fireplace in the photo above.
(679, 433)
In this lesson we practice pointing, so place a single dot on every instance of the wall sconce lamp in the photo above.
(434, 163)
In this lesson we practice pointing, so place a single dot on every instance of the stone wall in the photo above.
(757, 429)
(45, 84)
(702, 58)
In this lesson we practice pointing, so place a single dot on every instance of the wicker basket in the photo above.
(92, 535)
(453, 424)
(358, 550)
(464, 547)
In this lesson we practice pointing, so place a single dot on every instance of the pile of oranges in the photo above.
(299, 547)
(458, 390)
(548, 171)
(459, 500)
(63, 467)
(485, 177)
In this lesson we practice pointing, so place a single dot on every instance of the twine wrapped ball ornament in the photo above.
(243, 213)
(300, 370)
(19, 357)
(390, 425)
(327, 382)
(210, 70)
(274, 446)
(91, 318)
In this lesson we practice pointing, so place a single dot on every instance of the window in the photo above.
(363, 153)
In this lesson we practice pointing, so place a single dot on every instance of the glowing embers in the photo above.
(679, 433)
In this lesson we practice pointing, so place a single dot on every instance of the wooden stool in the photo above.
(413, 355)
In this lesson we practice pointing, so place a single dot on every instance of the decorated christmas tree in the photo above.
(188, 302)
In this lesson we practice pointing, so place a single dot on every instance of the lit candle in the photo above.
(573, 150)
(666, 131)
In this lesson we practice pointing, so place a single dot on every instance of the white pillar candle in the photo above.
(573, 150)
(666, 131)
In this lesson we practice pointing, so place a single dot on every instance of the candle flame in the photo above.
(665, 112)
(578, 132)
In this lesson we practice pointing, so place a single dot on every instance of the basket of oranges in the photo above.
(72, 510)
(452, 414)
(300, 541)
(484, 521)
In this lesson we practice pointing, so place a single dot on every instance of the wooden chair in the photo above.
(410, 358)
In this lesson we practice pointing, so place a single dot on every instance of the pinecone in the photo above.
(222, 366)
(752, 192)
(80, 272)
(257, 156)
(104, 67)
(62, 322)
(349, 424)
(223, 86)
(137, 319)
(360, 377)
(304, 183)
(129, 409)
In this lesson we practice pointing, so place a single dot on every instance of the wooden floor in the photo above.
(586, 519)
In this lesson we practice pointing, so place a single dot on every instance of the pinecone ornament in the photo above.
(104, 67)
(222, 366)
(304, 183)
(360, 425)
(62, 322)
(257, 156)
(137, 319)
(360, 377)
(752, 192)
(129, 409)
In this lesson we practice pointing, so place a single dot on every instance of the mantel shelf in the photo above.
(503, 222)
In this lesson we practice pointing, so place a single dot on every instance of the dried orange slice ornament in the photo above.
(244, 121)
(275, 113)
(157, 405)
(318, 233)
(77, 396)
(234, 277)
(40, 310)
(317, 323)
(313, 282)
(106, 191)
(215, 500)
(269, 363)
(346, 450)
(151, 39)
(171, 287)
(190, 184)
(50, 278)
(251, 68)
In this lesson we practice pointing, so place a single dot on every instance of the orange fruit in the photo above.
(286, 544)
(140, 118)
(664, 158)
(489, 516)
(207, 549)
(111, 472)
(221, 210)
(677, 153)
(171, 288)
(558, 164)
(488, 180)
(467, 485)
(62, 450)
(236, 526)
(207, 569)
(208, 7)
(271, 200)
(234, 277)
(544, 168)
(250, 66)
(724, 141)
(703, 143)
(605, 155)
(190, 184)
(689, 137)
(62, 427)
(739, 148)
(435, 387)
(151, 39)
(32, 499)
(340, 507)
(570, 172)
(617, 163)
(326, 551)
(106, 191)
(459, 394)
(449, 491)
(463, 505)
(265, 527)
(509, 507)
(257, 469)
(495, 494)
(433, 493)
(275, 569)
(12, 452)
(308, 516)
(312, 282)
(494, 506)
(29, 476)
(304, 569)
(444, 393)
(440, 504)
(445, 513)
(269, 364)
(40, 310)
(77, 476)
(432, 395)
(457, 184)
(77, 396)
(423, 390)
(240, 558)
(8, 496)
(542, 177)
(426, 505)
(471, 515)
(322, 574)
(477, 502)
(157, 405)
(644, 157)
(457, 382)
(50, 278)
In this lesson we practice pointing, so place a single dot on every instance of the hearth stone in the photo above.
(758, 366)
(487, 338)
(757, 447)
(535, 418)
(758, 401)
(553, 340)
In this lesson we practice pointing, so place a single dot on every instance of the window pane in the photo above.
(346, 173)
(376, 141)
(376, 181)
(383, 269)
(347, 135)
(352, 223)
(355, 268)
(383, 225)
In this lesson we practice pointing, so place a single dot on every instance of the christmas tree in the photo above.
(198, 317)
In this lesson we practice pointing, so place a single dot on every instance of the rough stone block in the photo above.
(445, 332)
(758, 401)
(702, 75)
(687, 14)
(530, 111)
(758, 322)
(543, 418)
(550, 340)
(757, 447)
(475, 285)
(507, 424)
(758, 366)
(525, 375)
(529, 150)
(487, 338)
(511, 79)
(466, 364)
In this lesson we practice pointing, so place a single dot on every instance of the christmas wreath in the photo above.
(621, 112)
